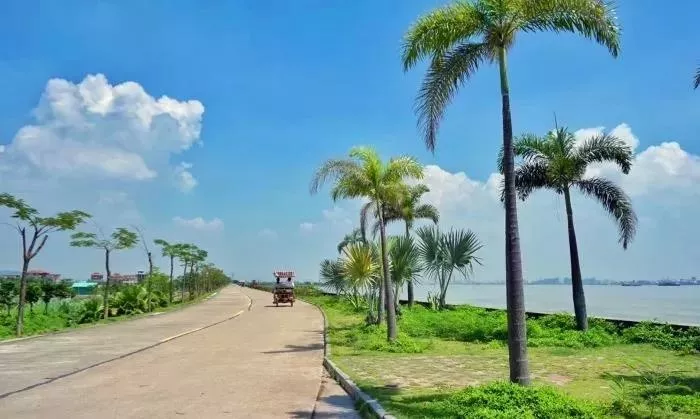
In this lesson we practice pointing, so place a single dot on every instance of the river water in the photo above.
(676, 305)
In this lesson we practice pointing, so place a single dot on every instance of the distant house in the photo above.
(43, 275)
(97, 277)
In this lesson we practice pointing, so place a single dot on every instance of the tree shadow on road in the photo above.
(298, 348)
(345, 412)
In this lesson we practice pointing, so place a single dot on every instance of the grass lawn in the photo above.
(616, 379)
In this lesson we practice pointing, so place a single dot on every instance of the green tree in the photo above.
(63, 290)
(170, 251)
(364, 175)
(409, 210)
(458, 39)
(8, 292)
(48, 291)
(34, 231)
(554, 162)
(120, 239)
(444, 253)
(33, 294)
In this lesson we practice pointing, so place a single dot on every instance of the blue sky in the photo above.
(285, 85)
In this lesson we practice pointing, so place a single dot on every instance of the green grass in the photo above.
(59, 319)
(643, 371)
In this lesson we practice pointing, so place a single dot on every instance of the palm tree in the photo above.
(443, 253)
(405, 263)
(170, 251)
(364, 175)
(360, 267)
(356, 236)
(696, 79)
(554, 162)
(332, 275)
(409, 210)
(459, 38)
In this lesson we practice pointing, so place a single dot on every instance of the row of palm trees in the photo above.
(457, 40)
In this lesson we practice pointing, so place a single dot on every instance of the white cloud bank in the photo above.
(100, 130)
(199, 223)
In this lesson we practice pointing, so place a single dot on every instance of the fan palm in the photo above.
(360, 267)
(555, 162)
(405, 263)
(444, 253)
(458, 39)
(332, 275)
(365, 175)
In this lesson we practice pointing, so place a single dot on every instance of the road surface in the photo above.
(233, 356)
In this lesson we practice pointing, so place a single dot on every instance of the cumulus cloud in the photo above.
(97, 129)
(184, 179)
(199, 223)
(338, 216)
(306, 227)
(267, 233)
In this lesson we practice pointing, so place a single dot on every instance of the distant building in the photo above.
(118, 278)
(97, 277)
(83, 288)
(140, 276)
(43, 275)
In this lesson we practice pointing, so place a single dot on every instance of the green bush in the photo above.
(499, 400)
(664, 336)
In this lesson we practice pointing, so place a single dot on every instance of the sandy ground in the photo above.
(215, 359)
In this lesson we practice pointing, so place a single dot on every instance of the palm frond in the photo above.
(529, 177)
(594, 19)
(447, 72)
(440, 30)
(365, 213)
(403, 168)
(460, 249)
(603, 148)
(529, 147)
(334, 168)
(616, 203)
(696, 80)
(331, 274)
(427, 212)
(404, 260)
(360, 265)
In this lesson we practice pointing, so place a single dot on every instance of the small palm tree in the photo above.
(443, 253)
(365, 175)
(554, 162)
(356, 236)
(361, 269)
(458, 39)
(332, 275)
(405, 263)
(409, 210)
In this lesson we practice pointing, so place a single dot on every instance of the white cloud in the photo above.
(96, 129)
(267, 233)
(184, 178)
(306, 227)
(198, 223)
(338, 216)
(2, 148)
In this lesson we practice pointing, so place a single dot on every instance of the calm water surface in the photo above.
(677, 305)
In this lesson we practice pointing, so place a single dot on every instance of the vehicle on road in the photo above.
(283, 292)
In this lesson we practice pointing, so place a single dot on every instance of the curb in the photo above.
(366, 405)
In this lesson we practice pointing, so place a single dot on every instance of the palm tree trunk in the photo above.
(172, 261)
(105, 298)
(515, 295)
(409, 286)
(380, 300)
(576, 280)
(389, 303)
(22, 296)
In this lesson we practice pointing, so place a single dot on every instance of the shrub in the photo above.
(664, 336)
(503, 401)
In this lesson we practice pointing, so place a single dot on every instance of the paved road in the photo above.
(216, 359)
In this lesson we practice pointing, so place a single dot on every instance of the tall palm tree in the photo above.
(443, 253)
(459, 38)
(409, 210)
(405, 263)
(356, 236)
(555, 162)
(365, 175)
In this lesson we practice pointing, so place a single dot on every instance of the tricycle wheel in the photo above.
(291, 303)
(277, 304)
